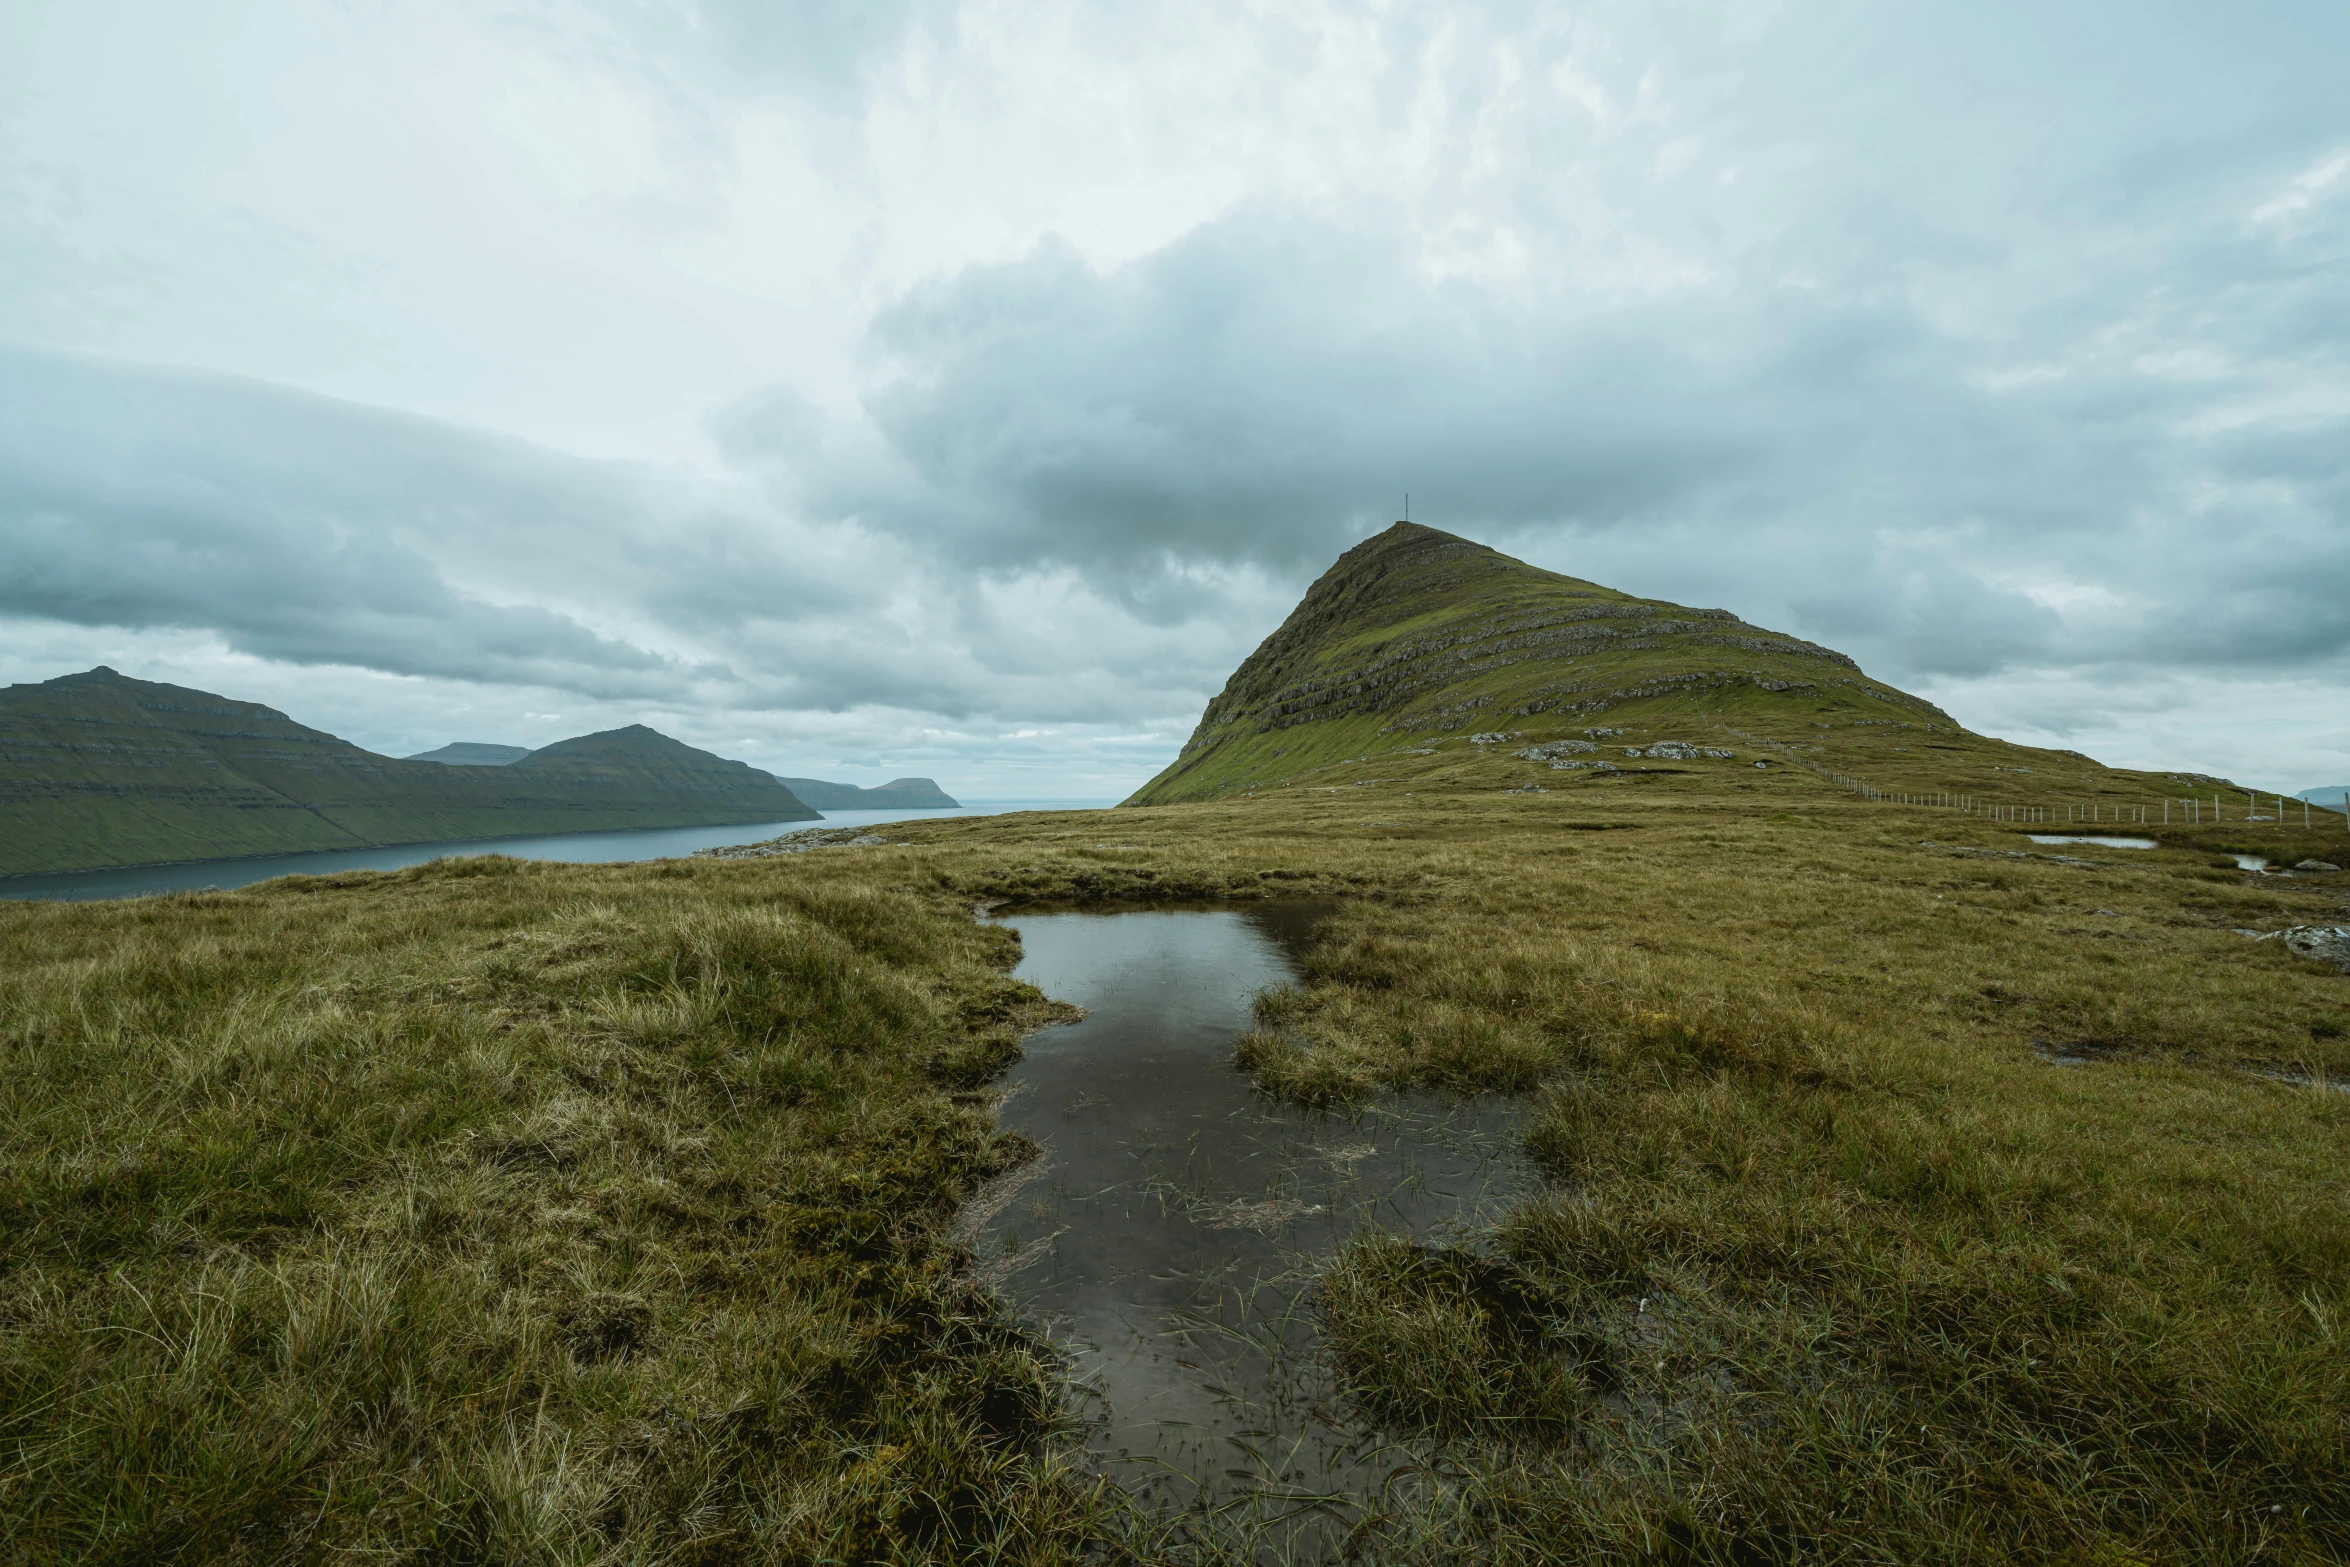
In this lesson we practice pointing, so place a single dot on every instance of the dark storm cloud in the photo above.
(295, 527)
(2170, 446)
(311, 531)
(1256, 392)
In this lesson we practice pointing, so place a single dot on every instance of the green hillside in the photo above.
(99, 770)
(1424, 658)
(904, 794)
(472, 753)
(916, 794)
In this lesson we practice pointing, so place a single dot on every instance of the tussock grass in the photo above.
(502, 1212)
(1837, 1263)
(510, 1212)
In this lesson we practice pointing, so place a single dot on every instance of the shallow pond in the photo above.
(2103, 840)
(1165, 1240)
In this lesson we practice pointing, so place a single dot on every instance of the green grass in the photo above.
(509, 1212)
(603, 1213)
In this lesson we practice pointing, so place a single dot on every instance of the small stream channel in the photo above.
(1166, 1239)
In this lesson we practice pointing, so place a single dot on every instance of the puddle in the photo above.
(1166, 1239)
(2250, 862)
(2096, 838)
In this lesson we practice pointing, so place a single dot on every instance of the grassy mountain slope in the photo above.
(97, 769)
(473, 753)
(1416, 649)
(816, 793)
(918, 794)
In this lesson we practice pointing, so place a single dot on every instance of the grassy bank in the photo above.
(1918, 1192)
(495, 1211)
(1907, 1202)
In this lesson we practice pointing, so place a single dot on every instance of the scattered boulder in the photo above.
(1494, 737)
(2321, 943)
(2318, 867)
(1678, 751)
(806, 840)
(1551, 751)
(2325, 943)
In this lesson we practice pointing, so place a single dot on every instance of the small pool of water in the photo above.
(2102, 840)
(2250, 862)
(1166, 1239)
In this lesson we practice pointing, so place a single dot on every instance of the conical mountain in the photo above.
(1416, 639)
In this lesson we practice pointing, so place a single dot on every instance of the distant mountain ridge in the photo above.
(899, 794)
(473, 753)
(97, 769)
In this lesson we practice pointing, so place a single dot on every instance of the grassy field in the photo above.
(1913, 1195)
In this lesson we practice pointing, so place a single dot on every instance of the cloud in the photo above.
(1266, 389)
(1258, 393)
(296, 527)
(306, 531)
(1889, 346)
(1013, 367)
(819, 48)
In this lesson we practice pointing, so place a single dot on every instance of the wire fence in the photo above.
(2193, 810)
(2186, 810)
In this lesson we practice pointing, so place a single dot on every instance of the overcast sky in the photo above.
(917, 387)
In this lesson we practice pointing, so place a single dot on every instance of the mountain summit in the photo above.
(1415, 640)
(1418, 633)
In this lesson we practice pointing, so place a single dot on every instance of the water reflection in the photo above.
(1166, 1239)
(2103, 840)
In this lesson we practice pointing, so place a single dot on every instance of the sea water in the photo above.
(650, 843)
